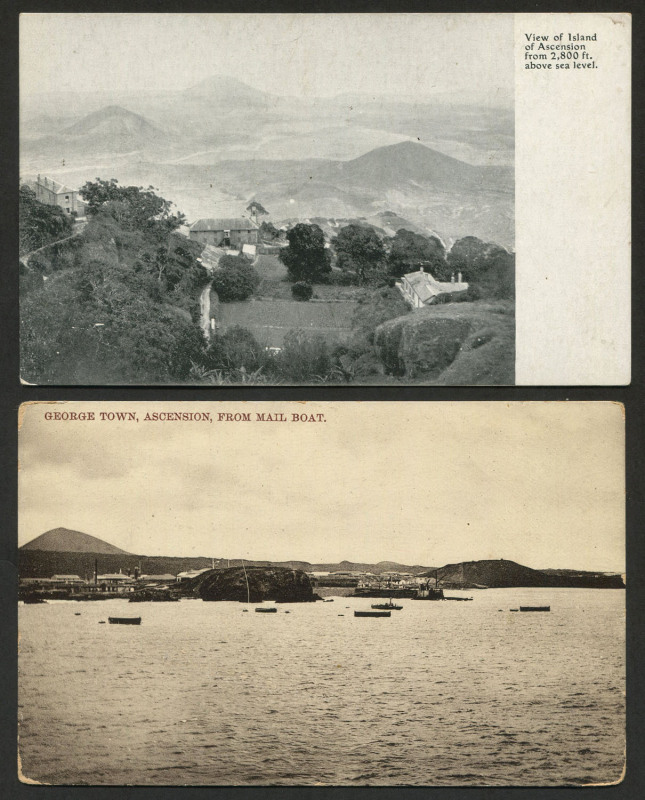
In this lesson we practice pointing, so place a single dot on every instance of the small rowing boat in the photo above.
(124, 620)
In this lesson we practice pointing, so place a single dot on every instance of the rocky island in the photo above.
(251, 584)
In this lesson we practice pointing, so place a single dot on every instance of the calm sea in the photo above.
(439, 694)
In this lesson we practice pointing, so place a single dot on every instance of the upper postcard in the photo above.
(340, 199)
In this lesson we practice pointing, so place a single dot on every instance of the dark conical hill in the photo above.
(64, 540)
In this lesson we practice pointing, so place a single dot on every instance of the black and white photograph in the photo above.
(321, 594)
(272, 199)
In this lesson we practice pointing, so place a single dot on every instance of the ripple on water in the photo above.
(434, 698)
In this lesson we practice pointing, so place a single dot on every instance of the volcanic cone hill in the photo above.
(264, 583)
(64, 540)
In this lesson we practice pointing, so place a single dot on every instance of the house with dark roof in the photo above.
(420, 289)
(224, 232)
(54, 193)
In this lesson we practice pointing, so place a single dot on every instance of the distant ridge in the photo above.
(64, 540)
(500, 574)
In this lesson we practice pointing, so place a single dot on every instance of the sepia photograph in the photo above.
(321, 594)
(273, 199)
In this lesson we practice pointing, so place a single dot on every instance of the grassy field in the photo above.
(270, 320)
(273, 312)
(275, 284)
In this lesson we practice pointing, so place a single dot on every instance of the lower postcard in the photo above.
(307, 594)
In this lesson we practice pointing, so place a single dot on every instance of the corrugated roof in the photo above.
(210, 256)
(223, 224)
(427, 287)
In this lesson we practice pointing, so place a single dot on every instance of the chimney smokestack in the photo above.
(459, 277)
(96, 571)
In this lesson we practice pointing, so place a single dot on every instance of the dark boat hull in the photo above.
(372, 613)
(535, 608)
(124, 620)
(266, 610)
(387, 607)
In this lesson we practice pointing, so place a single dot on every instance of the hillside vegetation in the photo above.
(117, 303)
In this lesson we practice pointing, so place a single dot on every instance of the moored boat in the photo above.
(372, 613)
(535, 608)
(124, 620)
(387, 606)
(272, 610)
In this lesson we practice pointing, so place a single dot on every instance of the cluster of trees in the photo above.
(39, 224)
(365, 258)
(123, 308)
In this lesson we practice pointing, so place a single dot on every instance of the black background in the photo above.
(12, 394)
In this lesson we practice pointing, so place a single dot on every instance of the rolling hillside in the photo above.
(216, 145)
(500, 573)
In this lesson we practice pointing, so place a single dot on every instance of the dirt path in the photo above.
(25, 259)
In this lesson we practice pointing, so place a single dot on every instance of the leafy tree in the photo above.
(236, 279)
(306, 258)
(269, 232)
(39, 224)
(302, 291)
(256, 208)
(487, 265)
(130, 206)
(358, 249)
(409, 251)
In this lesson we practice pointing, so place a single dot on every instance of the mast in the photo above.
(246, 577)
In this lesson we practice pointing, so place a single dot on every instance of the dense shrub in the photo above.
(471, 294)
(236, 279)
(340, 278)
(235, 349)
(303, 359)
(302, 291)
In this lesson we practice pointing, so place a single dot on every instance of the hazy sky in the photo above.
(287, 54)
(425, 483)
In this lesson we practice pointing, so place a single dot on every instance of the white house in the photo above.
(420, 289)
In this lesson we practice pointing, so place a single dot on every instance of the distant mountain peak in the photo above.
(115, 117)
(64, 540)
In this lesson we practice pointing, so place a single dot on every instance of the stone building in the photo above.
(234, 232)
(53, 193)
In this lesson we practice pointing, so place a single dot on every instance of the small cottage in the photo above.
(420, 289)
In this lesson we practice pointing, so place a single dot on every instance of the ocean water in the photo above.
(441, 693)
